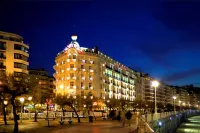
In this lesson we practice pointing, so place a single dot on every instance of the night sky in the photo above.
(161, 38)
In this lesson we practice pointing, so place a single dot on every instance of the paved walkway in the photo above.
(99, 126)
(192, 126)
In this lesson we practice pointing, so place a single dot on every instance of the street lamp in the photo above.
(155, 85)
(22, 101)
(29, 98)
(174, 97)
(5, 104)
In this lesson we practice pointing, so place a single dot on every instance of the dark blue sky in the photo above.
(161, 38)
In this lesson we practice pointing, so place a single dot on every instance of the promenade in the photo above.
(98, 126)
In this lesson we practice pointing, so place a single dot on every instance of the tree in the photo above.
(68, 100)
(4, 104)
(88, 101)
(169, 107)
(62, 101)
(16, 86)
(39, 96)
(112, 103)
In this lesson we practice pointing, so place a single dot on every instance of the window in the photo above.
(17, 73)
(81, 84)
(82, 66)
(74, 56)
(90, 85)
(20, 47)
(92, 62)
(82, 93)
(71, 65)
(20, 56)
(90, 67)
(2, 45)
(71, 84)
(71, 74)
(20, 65)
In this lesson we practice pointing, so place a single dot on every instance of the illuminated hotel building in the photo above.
(13, 53)
(79, 71)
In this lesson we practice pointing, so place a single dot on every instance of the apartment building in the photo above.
(13, 53)
(45, 81)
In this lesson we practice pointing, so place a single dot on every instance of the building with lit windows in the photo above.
(45, 81)
(80, 70)
(13, 53)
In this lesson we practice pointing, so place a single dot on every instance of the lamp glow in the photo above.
(174, 97)
(21, 99)
(29, 98)
(5, 102)
(74, 37)
(155, 83)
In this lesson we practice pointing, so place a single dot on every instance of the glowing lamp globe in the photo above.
(155, 83)
(21, 100)
(74, 37)
(5, 102)
(29, 98)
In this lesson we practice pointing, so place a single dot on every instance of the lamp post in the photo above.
(174, 97)
(5, 103)
(155, 85)
(4, 106)
(30, 98)
(22, 101)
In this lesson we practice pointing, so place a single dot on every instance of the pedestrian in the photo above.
(128, 117)
(123, 118)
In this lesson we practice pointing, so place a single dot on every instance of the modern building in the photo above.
(13, 53)
(139, 87)
(45, 81)
(79, 71)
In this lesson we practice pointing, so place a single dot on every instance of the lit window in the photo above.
(92, 62)
(83, 61)
(62, 71)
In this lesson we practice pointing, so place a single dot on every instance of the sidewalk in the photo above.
(99, 126)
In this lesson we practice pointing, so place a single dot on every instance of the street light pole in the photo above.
(29, 98)
(22, 101)
(174, 97)
(155, 85)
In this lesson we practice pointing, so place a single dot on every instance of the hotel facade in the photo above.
(79, 71)
(13, 54)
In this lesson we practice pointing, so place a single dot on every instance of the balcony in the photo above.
(2, 67)
(117, 71)
(108, 67)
